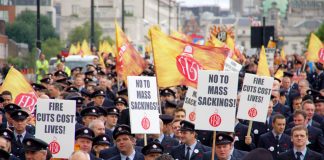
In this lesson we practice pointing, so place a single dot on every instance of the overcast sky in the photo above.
(222, 3)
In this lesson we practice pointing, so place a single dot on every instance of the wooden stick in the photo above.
(145, 140)
(249, 129)
(214, 145)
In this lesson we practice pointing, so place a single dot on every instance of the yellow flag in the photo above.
(231, 45)
(128, 60)
(22, 92)
(72, 50)
(181, 36)
(100, 49)
(263, 69)
(271, 44)
(282, 54)
(314, 46)
(279, 74)
(85, 49)
(107, 48)
(214, 42)
(78, 48)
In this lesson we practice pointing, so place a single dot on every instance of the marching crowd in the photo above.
(293, 129)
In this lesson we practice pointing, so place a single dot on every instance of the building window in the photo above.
(75, 9)
(33, 2)
(4, 16)
(129, 11)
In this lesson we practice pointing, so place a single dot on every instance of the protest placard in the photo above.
(55, 124)
(190, 103)
(143, 105)
(231, 65)
(255, 97)
(216, 102)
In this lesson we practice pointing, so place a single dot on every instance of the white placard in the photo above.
(216, 102)
(143, 105)
(55, 124)
(270, 56)
(231, 65)
(190, 103)
(255, 97)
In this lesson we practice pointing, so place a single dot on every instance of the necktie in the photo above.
(127, 158)
(277, 138)
(19, 139)
(299, 155)
(188, 153)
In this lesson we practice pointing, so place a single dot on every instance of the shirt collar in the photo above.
(161, 138)
(192, 147)
(22, 135)
(303, 151)
(131, 156)
(274, 134)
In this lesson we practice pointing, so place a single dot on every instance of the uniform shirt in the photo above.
(192, 147)
(274, 134)
(303, 153)
(131, 157)
(161, 138)
(22, 136)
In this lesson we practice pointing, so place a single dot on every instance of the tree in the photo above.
(78, 34)
(51, 47)
(23, 30)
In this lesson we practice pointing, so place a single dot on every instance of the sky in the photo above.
(224, 4)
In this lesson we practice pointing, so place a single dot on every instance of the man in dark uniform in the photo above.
(276, 141)
(242, 141)
(98, 99)
(83, 139)
(169, 107)
(167, 142)
(35, 149)
(223, 148)
(6, 137)
(100, 143)
(315, 135)
(319, 79)
(277, 106)
(19, 118)
(112, 118)
(4, 155)
(152, 151)
(125, 143)
(191, 149)
(299, 138)
(88, 114)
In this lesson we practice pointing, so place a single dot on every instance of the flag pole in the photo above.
(145, 139)
(213, 149)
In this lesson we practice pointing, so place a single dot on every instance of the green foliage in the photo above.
(80, 33)
(23, 30)
(109, 40)
(319, 33)
(51, 47)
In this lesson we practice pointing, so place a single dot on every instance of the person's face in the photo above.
(270, 108)
(98, 148)
(169, 111)
(279, 125)
(187, 137)
(35, 155)
(169, 97)
(124, 143)
(180, 115)
(299, 138)
(5, 144)
(111, 120)
(286, 83)
(7, 99)
(299, 120)
(120, 106)
(84, 144)
(297, 104)
(319, 108)
(99, 129)
(283, 99)
(88, 119)
(20, 125)
(302, 85)
(223, 151)
(98, 100)
(78, 81)
(276, 96)
(102, 82)
(152, 156)
(175, 129)
(310, 110)
(53, 92)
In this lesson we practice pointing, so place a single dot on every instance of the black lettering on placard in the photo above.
(254, 98)
(46, 117)
(259, 81)
(139, 84)
(54, 129)
(54, 106)
(144, 105)
(143, 94)
(147, 84)
(190, 101)
(194, 94)
(220, 102)
(217, 90)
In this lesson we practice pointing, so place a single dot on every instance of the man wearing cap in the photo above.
(299, 151)
(309, 107)
(191, 149)
(19, 118)
(169, 107)
(167, 125)
(84, 139)
(6, 137)
(125, 143)
(40, 89)
(55, 90)
(88, 114)
(99, 99)
(276, 141)
(35, 149)
(167, 94)
(100, 143)
(223, 148)
(277, 106)
(319, 79)
(152, 151)
(167, 142)
(121, 103)
(112, 118)
(319, 105)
